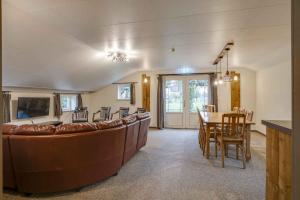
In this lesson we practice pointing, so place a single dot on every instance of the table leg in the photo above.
(248, 141)
(207, 141)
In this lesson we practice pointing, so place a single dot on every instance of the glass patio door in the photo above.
(183, 94)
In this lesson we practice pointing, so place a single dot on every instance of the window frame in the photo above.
(119, 86)
(70, 96)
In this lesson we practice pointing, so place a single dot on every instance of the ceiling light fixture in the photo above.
(221, 78)
(227, 77)
(216, 76)
(117, 56)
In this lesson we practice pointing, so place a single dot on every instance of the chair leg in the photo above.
(243, 156)
(216, 148)
(226, 150)
(223, 153)
(237, 151)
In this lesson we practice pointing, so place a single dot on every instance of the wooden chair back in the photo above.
(249, 115)
(104, 114)
(202, 132)
(80, 115)
(140, 110)
(123, 112)
(233, 124)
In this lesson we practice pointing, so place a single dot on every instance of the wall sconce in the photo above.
(145, 80)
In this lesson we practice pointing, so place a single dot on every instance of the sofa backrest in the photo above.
(143, 115)
(8, 129)
(129, 119)
(75, 128)
(109, 124)
(34, 129)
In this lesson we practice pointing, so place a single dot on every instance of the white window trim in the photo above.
(70, 106)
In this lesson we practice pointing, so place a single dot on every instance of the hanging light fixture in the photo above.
(227, 77)
(216, 76)
(221, 78)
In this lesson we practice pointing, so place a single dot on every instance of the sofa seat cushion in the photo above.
(109, 124)
(143, 115)
(35, 129)
(129, 119)
(8, 129)
(75, 128)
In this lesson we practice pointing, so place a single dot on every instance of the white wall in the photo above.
(66, 117)
(108, 96)
(274, 96)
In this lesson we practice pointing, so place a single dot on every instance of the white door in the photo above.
(183, 94)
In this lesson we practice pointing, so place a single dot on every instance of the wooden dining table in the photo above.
(212, 119)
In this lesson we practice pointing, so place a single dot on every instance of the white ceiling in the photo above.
(59, 44)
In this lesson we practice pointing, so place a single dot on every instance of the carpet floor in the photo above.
(171, 167)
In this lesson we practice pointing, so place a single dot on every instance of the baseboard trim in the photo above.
(256, 131)
(153, 127)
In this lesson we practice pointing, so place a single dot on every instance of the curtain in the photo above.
(57, 105)
(132, 94)
(160, 103)
(6, 97)
(213, 91)
(79, 102)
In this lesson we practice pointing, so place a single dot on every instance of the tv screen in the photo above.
(29, 107)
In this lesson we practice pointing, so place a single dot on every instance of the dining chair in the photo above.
(104, 114)
(80, 115)
(123, 112)
(232, 132)
(202, 133)
(139, 110)
(249, 115)
(209, 108)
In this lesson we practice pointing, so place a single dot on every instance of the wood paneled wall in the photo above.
(296, 96)
(146, 92)
(279, 165)
(236, 91)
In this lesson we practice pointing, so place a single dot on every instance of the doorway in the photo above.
(182, 96)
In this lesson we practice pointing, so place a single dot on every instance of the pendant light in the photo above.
(221, 78)
(216, 76)
(227, 77)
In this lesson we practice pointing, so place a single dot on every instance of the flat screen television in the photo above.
(29, 107)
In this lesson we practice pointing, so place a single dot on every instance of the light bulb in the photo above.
(236, 78)
(221, 81)
(216, 82)
(145, 80)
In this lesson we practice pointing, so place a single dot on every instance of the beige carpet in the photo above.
(171, 167)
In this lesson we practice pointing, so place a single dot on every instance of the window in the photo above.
(68, 102)
(124, 92)
(174, 96)
(199, 95)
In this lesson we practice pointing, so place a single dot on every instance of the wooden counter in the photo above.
(279, 159)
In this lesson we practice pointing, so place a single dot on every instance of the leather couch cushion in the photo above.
(8, 129)
(109, 124)
(143, 115)
(35, 129)
(129, 119)
(75, 128)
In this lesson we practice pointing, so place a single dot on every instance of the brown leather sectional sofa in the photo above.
(45, 159)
